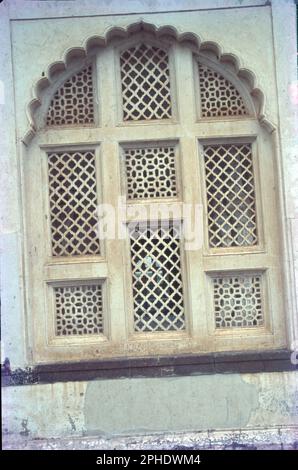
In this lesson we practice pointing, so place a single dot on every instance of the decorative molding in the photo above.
(93, 43)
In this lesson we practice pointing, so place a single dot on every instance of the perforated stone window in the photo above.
(219, 97)
(79, 310)
(157, 281)
(176, 150)
(230, 195)
(73, 102)
(73, 203)
(145, 80)
(238, 301)
(151, 172)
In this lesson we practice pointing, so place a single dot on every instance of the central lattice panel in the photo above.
(238, 301)
(219, 97)
(230, 195)
(157, 279)
(145, 79)
(73, 203)
(73, 101)
(150, 172)
(78, 310)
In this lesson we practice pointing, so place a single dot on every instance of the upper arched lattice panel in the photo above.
(73, 102)
(219, 96)
(145, 83)
(65, 96)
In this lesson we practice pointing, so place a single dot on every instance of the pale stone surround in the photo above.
(44, 26)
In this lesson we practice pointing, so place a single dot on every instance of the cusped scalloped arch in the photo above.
(208, 48)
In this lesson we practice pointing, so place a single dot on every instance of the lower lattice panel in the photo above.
(238, 301)
(78, 310)
(157, 280)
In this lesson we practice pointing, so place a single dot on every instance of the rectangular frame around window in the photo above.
(112, 267)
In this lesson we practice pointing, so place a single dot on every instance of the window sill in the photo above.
(162, 366)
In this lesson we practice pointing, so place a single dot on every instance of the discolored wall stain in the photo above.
(169, 404)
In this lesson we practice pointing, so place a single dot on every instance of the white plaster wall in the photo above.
(11, 271)
(285, 40)
(35, 34)
(109, 408)
(73, 8)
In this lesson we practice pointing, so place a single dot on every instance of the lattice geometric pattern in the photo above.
(230, 195)
(73, 203)
(156, 279)
(145, 79)
(150, 172)
(238, 301)
(219, 97)
(78, 310)
(73, 101)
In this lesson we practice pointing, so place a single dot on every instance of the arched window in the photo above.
(159, 124)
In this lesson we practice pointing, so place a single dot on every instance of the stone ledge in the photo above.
(162, 366)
